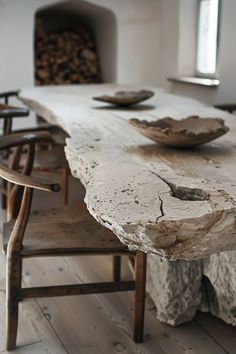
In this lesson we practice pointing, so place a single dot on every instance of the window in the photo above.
(207, 41)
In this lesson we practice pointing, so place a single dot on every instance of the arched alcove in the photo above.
(87, 37)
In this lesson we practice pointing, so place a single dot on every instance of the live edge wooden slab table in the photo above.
(174, 204)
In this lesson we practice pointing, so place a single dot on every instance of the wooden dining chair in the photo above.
(65, 231)
(228, 107)
(49, 158)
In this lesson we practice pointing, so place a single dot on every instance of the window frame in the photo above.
(198, 73)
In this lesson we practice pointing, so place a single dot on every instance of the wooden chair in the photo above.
(48, 159)
(229, 107)
(5, 95)
(73, 231)
(45, 161)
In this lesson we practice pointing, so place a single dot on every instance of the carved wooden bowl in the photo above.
(187, 132)
(125, 98)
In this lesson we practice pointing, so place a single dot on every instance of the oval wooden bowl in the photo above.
(126, 98)
(187, 132)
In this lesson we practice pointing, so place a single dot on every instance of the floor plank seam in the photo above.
(212, 337)
(51, 326)
(74, 272)
(98, 298)
(202, 328)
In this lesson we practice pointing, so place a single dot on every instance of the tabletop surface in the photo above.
(134, 186)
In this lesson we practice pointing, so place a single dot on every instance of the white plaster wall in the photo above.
(178, 50)
(155, 40)
(227, 55)
(169, 40)
(187, 36)
(138, 59)
(138, 42)
(16, 38)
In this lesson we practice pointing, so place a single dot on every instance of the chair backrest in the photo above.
(7, 113)
(228, 107)
(21, 182)
(5, 95)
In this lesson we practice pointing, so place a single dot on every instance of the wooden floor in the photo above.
(100, 324)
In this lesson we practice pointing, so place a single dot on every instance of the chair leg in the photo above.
(14, 266)
(139, 305)
(116, 268)
(64, 186)
(4, 198)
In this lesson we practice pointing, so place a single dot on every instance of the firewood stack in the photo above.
(67, 57)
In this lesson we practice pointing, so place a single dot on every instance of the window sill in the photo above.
(196, 81)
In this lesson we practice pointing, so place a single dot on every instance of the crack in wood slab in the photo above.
(186, 211)
(161, 209)
(185, 193)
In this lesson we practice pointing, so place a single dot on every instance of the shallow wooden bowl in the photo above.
(125, 98)
(187, 132)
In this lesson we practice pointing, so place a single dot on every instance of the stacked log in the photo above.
(65, 57)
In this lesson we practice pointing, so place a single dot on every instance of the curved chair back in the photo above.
(21, 183)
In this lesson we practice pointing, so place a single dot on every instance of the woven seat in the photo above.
(47, 159)
(64, 231)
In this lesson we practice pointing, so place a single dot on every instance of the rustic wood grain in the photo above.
(189, 338)
(72, 230)
(222, 333)
(109, 313)
(177, 203)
